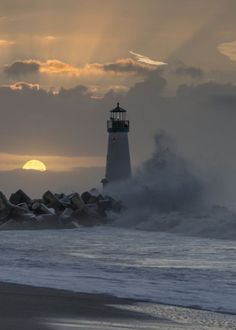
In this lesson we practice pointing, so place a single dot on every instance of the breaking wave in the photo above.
(164, 195)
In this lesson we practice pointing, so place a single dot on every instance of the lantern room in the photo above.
(117, 121)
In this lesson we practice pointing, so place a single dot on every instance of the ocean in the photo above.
(152, 266)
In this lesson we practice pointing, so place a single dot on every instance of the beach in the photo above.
(102, 278)
(26, 307)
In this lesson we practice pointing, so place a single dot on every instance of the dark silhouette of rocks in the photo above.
(55, 211)
(19, 197)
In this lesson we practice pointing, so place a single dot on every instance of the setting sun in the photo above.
(36, 165)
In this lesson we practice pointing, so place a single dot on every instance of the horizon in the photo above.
(174, 72)
(117, 164)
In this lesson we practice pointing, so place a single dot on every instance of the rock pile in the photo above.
(55, 211)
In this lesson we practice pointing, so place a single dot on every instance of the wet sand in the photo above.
(24, 307)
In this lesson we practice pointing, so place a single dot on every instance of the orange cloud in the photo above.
(23, 85)
(228, 49)
(122, 67)
(126, 66)
(56, 66)
(6, 43)
(49, 38)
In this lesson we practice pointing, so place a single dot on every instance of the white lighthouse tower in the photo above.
(118, 166)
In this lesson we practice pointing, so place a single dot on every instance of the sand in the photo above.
(26, 307)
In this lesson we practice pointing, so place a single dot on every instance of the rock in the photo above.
(40, 208)
(51, 201)
(92, 196)
(55, 211)
(67, 216)
(86, 196)
(59, 196)
(94, 192)
(75, 224)
(77, 202)
(24, 206)
(115, 205)
(4, 203)
(103, 206)
(49, 221)
(50, 198)
(4, 208)
(8, 209)
(19, 197)
(85, 217)
(67, 212)
(65, 201)
(12, 224)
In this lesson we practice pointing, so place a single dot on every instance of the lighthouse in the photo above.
(118, 166)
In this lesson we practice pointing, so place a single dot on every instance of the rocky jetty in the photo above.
(55, 211)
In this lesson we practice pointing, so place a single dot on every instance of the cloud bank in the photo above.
(228, 49)
(190, 71)
(19, 68)
(125, 66)
(6, 43)
(200, 118)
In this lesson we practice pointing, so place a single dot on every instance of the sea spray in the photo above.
(166, 195)
(163, 183)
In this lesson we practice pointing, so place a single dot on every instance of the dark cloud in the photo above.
(38, 121)
(71, 122)
(223, 102)
(190, 71)
(127, 66)
(78, 91)
(124, 66)
(20, 68)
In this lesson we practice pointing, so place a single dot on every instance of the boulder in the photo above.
(51, 201)
(85, 217)
(49, 221)
(24, 206)
(13, 224)
(55, 211)
(8, 209)
(86, 196)
(19, 197)
(76, 202)
(40, 208)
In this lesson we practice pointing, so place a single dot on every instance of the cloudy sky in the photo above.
(65, 63)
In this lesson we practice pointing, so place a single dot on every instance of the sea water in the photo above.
(147, 265)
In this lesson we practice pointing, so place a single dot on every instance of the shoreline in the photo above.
(25, 306)
(104, 298)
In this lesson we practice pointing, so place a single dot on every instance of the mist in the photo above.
(167, 194)
(200, 119)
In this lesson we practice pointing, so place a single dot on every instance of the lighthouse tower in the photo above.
(118, 158)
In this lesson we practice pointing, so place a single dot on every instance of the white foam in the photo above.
(151, 266)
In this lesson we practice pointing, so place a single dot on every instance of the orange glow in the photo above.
(9, 162)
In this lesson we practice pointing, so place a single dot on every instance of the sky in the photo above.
(65, 63)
